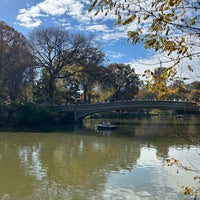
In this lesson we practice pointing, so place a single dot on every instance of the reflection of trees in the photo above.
(58, 165)
(160, 131)
(163, 132)
(66, 166)
(76, 161)
(14, 181)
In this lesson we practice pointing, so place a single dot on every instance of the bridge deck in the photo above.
(80, 111)
(133, 104)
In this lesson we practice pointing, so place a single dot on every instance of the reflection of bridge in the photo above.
(81, 111)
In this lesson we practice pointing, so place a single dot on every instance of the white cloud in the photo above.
(72, 14)
(115, 55)
(97, 27)
(52, 7)
(28, 17)
(160, 60)
(64, 11)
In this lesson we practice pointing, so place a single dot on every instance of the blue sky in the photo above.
(72, 15)
(24, 15)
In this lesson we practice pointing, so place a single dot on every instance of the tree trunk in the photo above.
(51, 89)
(85, 93)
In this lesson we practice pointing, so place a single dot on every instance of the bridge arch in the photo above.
(81, 111)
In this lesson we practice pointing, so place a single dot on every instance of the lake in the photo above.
(82, 163)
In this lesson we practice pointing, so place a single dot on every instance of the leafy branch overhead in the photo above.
(167, 26)
(185, 190)
(161, 25)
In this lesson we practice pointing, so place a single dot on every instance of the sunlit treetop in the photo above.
(167, 26)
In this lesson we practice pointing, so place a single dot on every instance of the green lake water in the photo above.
(82, 163)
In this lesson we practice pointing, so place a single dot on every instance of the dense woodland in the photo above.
(55, 67)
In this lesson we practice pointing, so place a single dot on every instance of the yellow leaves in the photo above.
(167, 17)
(125, 22)
(193, 20)
(182, 41)
(182, 50)
(158, 82)
(119, 19)
(158, 87)
(173, 3)
(129, 20)
(134, 36)
(171, 161)
(145, 17)
(150, 43)
(92, 6)
(197, 178)
(187, 168)
(156, 25)
(167, 45)
(183, 12)
(186, 190)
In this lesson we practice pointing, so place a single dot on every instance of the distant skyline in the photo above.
(73, 16)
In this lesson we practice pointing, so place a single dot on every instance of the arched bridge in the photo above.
(81, 111)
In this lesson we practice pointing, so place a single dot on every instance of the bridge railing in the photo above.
(123, 104)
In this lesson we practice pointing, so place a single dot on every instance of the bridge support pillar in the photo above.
(77, 118)
(79, 121)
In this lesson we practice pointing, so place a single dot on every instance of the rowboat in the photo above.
(105, 126)
(180, 116)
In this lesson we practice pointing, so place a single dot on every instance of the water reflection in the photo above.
(30, 159)
(84, 164)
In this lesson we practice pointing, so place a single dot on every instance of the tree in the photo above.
(123, 81)
(54, 49)
(15, 63)
(195, 91)
(86, 68)
(40, 90)
(169, 26)
(48, 46)
(59, 54)
(180, 91)
(195, 85)
(91, 62)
